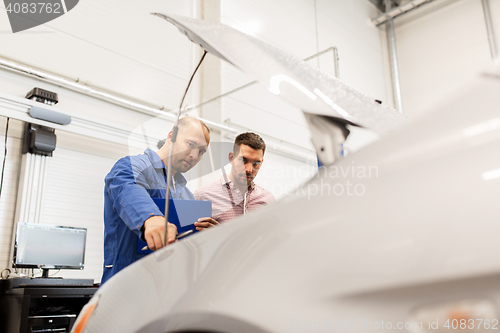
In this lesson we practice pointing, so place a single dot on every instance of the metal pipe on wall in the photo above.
(100, 94)
(489, 28)
(396, 85)
(393, 58)
(336, 61)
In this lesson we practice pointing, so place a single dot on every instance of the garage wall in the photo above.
(119, 47)
(71, 189)
(302, 27)
(110, 46)
(440, 46)
(114, 45)
(73, 195)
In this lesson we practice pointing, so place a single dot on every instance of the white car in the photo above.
(415, 248)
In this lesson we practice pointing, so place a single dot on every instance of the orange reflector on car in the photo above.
(478, 315)
(85, 315)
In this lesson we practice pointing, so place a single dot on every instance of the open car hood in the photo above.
(305, 86)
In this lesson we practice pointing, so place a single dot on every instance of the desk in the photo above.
(41, 309)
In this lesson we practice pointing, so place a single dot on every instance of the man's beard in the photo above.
(180, 166)
(243, 180)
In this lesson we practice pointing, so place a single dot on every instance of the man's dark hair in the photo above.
(250, 139)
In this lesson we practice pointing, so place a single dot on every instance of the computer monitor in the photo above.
(49, 247)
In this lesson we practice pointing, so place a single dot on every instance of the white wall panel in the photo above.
(72, 191)
(73, 196)
(114, 45)
(441, 46)
(353, 17)
(10, 184)
(86, 62)
(279, 174)
(74, 104)
(360, 61)
(248, 117)
(302, 27)
(117, 45)
(283, 175)
(258, 97)
(495, 10)
(131, 54)
(127, 28)
(347, 25)
(288, 24)
(232, 78)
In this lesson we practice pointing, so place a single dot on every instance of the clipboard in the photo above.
(182, 213)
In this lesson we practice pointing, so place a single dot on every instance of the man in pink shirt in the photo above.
(236, 194)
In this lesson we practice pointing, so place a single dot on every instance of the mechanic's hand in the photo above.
(154, 232)
(205, 222)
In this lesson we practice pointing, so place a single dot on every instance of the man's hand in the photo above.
(154, 232)
(205, 222)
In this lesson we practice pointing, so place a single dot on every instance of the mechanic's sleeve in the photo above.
(126, 185)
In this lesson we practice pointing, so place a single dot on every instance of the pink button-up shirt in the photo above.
(227, 200)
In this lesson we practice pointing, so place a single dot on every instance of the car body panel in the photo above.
(424, 231)
(422, 228)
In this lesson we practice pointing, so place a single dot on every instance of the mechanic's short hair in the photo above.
(183, 123)
(188, 120)
(250, 139)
